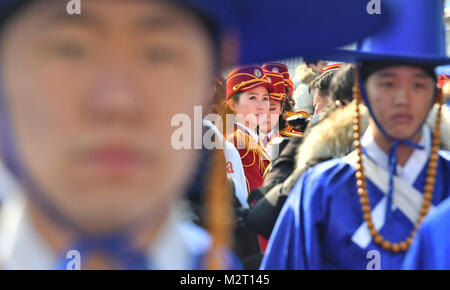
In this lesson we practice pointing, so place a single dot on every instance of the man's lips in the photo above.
(115, 158)
(402, 118)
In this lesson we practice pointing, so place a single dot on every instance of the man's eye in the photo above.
(265, 99)
(272, 109)
(387, 84)
(160, 54)
(70, 49)
(252, 98)
(419, 85)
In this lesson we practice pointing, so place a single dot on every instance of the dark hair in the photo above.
(322, 82)
(369, 67)
(285, 106)
(7, 13)
(219, 95)
(341, 87)
(310, 60)
(224, 110)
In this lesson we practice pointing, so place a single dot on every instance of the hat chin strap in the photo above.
(393, 150)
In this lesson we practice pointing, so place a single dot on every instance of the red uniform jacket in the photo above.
(254, 159)
(255, 162)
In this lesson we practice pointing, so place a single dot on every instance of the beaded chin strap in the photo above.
(219, 215)
(361, 183)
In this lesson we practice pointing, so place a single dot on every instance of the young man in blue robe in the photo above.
(86, 108)
(362, 211)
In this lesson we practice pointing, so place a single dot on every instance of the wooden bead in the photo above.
(427, 197)
(408, 241)
(378, 240)
(429, 188)
(365, 208)
(374, 233)
(367, 216)
(426, 204)
(419, 220)
(434, 158)
(430, 181)
(432, 165)
(370, 225)
(358, 167)
(362, 192)
(359, 175)
(423, 211)
(431, 172)
(434, 150)
(395, 248)
(403, 246)
(360, 183)
(364, 200)
(386, 245)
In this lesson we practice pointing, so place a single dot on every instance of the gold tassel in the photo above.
(361, 183)
(219, 215)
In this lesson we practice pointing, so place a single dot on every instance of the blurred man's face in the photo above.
(400, 97)
(91, 100)
(319, 66)
(320, 101)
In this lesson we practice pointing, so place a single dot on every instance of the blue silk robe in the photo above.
(431, 248)
(317, 227)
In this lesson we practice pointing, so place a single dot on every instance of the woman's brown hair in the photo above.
(224, 110)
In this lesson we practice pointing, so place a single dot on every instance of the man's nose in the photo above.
(402, 96)
(114, 99)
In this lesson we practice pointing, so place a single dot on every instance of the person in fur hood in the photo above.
(303, 98)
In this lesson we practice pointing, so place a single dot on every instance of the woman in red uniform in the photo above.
(248, 93)
(287, 105)
(271, 126)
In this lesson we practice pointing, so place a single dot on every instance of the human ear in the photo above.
(232, 105)
(339, 104)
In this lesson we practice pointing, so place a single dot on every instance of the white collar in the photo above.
(270, 134)
(268, 147)
(179, 243)
(21, 247)
(177, 246)
(415, 164)
(248, 131)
